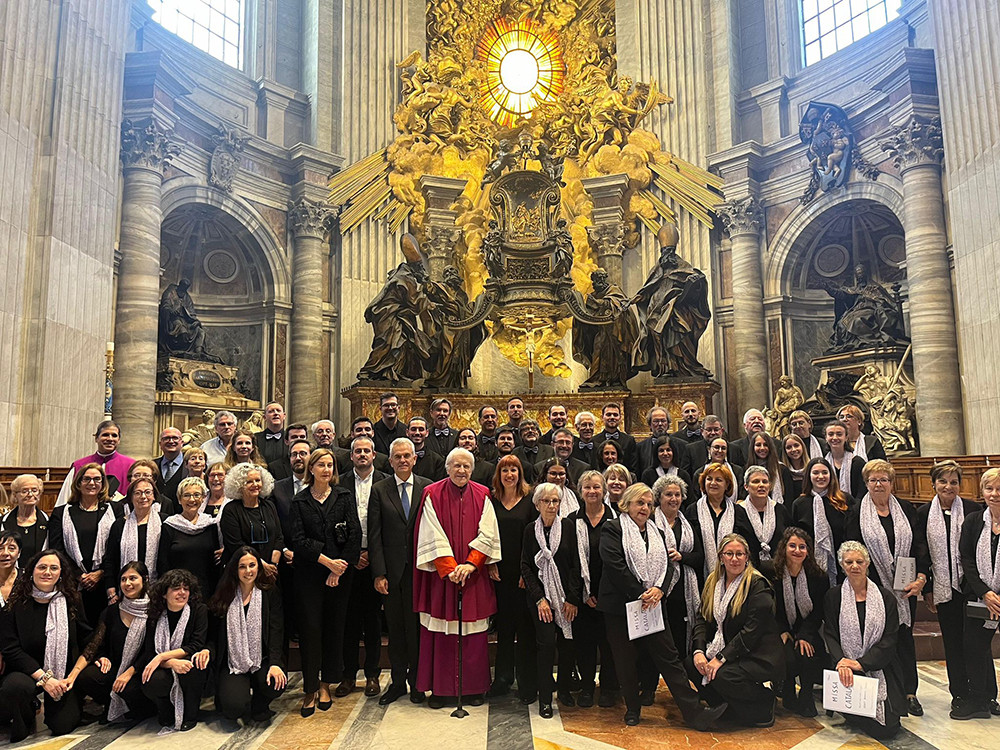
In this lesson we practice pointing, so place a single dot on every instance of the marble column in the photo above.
(743, 219)
(917, 150)
(440, 194)
(309, 221)
(607, 233)
(146, 149)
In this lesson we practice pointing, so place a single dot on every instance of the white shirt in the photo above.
(215, 451)
(362, 491)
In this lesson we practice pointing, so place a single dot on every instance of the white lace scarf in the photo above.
(130, 540)
(191, 528)
(947, 563)
(762, 529)
(884, 559)
(244, 630)
(164, 640)
(692, 594)
(777, 491)
(720, 606)
(826, 555)
(709, 536)
(855, 644)
(796, 596)
(56, 631)
(648, 562)
(859, 447)
(583, 550)
(545, 561)
(815, 451)
(569, 503)
(71, 541)
(133, 642)
(844, 474)
(988, 567)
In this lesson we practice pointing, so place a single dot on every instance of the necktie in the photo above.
(168, 471)
(586, 446)
(420, 454)
(404, 498)
(442, 433)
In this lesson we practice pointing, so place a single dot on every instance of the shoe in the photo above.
(344, 689)
(585, 699)
(526, 698)
(372, 687)
(646, 697)
(631, 718)
(393, 693)
(305, 713)
(565, 698)
(417, 696)
(187, 726)
(498, 688)
(709, 717)
(435, 701)
(806, 705)
(994, 708)
(545, 710)
(608, 698)
(963, 710)
(476, 699)
(323, 705)
(264, 716)
(913, 706)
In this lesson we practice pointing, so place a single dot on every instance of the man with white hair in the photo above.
(225, 428)
(324, 434)
(753, 422)
(584, 447)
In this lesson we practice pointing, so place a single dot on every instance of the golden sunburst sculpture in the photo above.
(524, 69)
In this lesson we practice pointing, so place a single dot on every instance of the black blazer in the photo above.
(752, 636)
(972, 528)
(874, 449)
(280, 468)
(528, 460)
(567, 563)
(272, 628)
(741, 526)
(695, 489)
(628, 456)
(430, 465)
(646, 455)
(808, 628)
(574, 470)
(442, 444)
(22, 637)
(390, 533)
(315, 527)
(482, 472)
(169, 487)
(271, 450)
(281, 496)
(969, 508)
(618, 583)
(739, 449)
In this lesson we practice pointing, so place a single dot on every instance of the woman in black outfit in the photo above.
(135, 536)
(666, 467)
(175, 656)
(10, 557)
(800, 586)
(326, 539)
(764, 452)
(823, 510)
(735, 645)
(109, 660)
(190, 539)
(80, 531)
(715, 516)
(512, 503)
(246, 640)
(30, 521)
(768, 518)
(550, 567)
(849, 609)
(251, 518)
(46, 597)
(588, 627)
(636, 567)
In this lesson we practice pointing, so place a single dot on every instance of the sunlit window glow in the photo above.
(215, 26)
(831, 25)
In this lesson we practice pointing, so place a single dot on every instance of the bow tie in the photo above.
(693, 433)
(420, 454)
(586, 446)
(487, 439)
(272, 436)
(612, 435)
(439, 433)
(531, 450)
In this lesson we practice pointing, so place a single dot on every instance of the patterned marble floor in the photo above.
(359, 723)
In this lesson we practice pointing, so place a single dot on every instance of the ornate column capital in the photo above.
(147, 145)
(915, 143)
(309, 218)
(607, 239)
(741, 216)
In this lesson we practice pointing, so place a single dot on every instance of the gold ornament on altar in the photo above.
(500, 69)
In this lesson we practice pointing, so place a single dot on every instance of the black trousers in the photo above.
(808, 669)
(286, 580)
(548, 636)
(404, 630)
(951, 617)
(979, 662)
(241, 695)
(322, 619)
(515, 632)
(97, 684)
(590, 637)
(749, 701)
(906, 652)
(661, 650)
(18, 690)
(363, 621)
(158, 691)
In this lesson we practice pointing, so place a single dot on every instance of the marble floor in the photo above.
(359, 723)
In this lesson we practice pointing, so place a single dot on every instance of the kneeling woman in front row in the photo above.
(636, 567)
(550, 567)
(247, 639)
(735, 646)
(41, 630)
(861, 628)
(174, 655)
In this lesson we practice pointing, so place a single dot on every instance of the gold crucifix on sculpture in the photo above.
(528, 324)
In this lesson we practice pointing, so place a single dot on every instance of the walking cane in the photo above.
(460, 713)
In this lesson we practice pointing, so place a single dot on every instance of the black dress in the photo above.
(257, 527)
(191, 552)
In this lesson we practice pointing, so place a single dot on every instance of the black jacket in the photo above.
(272, 628)
(245, 526)
(168, 487)
(430, 465)
(529, 459)
(390, 533)
(331, 528)
(567, 559)
(972, 528)
(969, 508)
(618, 583)
(647, 458)
(804, 628)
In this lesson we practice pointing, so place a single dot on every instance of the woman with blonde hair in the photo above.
(26, 518)
(735, 645)
(617, 478)
(795, 453)
(195, 463)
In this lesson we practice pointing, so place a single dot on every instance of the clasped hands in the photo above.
(337, 568)
(545, 613)
(846, 669)
(707, 668)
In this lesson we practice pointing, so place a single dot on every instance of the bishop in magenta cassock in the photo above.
(458, 544)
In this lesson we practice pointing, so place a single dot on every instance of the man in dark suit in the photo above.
(689, 429)
(388, 428)
(364, 604)
(659, 426)
(487, 438)
(611, 415)
(443, 437)
(284, 490)
(363, 427)
(429, 464)
(270, 441)
(558, 417)
(515, 415)
(753, 422)
(562, 445)
(170, 462)
(392, 512)
(281, 468)
(531, 451)
(698, 450)
(325, 436)
(585, 447)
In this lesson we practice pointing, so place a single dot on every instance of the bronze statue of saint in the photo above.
(673, 314)
(606, 349)
(866, 315)
(181, 333)
(400, 315)
(457, 347)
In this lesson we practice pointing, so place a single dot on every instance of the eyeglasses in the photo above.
(879, 480)
(549, 501)
(145, 493)
(30, 491)
(89, 480)
(192, 496)
(734, 555)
